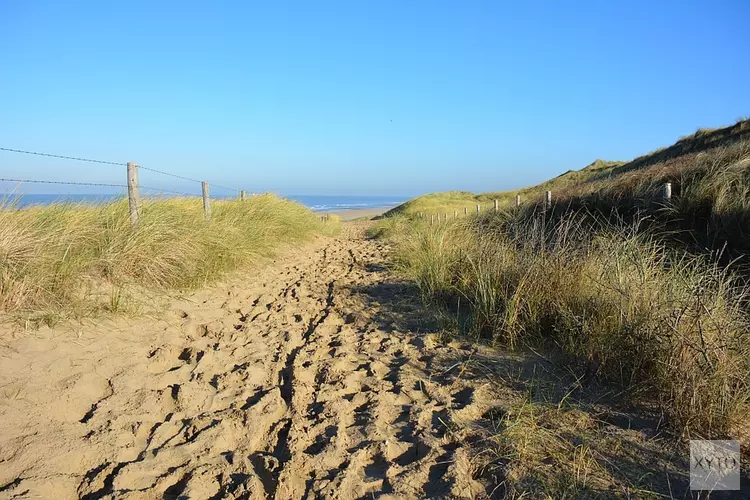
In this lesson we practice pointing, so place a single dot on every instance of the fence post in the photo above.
(243, 195)
(206, 200)
(134, 196)
(548, 200)
(518, 200)
(495, 205)
(432, 219)
(455, 214)
(466, 211)
(478, 208)
(667, 191)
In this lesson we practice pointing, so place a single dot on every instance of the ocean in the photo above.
(315, 203)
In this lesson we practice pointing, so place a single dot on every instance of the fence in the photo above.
(133, 185)
(666, 196)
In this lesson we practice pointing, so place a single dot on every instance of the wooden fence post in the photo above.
(667, 191)
(206, 200)
(134, 197)
(243, 195)
(548, 200)
(432, 219)
(518, 200)
(455, 214)
(466, 211)
(495, 205)
(478, 208)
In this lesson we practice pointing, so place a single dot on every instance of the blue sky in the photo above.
(361, 97)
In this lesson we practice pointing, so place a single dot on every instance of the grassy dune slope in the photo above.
(662, 164)
(76, 260)
(620, 290)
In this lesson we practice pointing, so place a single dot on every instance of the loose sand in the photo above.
(369, 213)
(314, 377)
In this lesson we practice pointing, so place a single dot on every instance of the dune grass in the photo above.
(75, 260)
(620, 307)
(627, 292)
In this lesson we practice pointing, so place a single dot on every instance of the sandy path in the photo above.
(313, 379)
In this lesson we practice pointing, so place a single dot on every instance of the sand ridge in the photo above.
(300, 384)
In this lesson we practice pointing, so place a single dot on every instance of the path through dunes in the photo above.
(313, 379)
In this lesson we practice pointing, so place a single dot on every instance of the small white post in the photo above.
(478, 208)
(243, 195)
(495, 205)
(432, 219)
(133, 193)
(518, 200)
(667, 191)
(548, 200)
(206, 200)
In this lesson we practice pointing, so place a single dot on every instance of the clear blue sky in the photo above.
(358, 97)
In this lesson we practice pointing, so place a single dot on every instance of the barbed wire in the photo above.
(141, 167)
(61, 156)
(119, 164)
(98, 184)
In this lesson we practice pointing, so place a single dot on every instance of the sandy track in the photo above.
(314, 379)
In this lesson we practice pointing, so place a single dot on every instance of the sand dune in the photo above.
(298, 382)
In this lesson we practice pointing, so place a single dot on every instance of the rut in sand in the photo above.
(314, 380)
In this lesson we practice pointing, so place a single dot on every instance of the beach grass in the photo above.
(618, 305)
(74, 260)
(624, 291)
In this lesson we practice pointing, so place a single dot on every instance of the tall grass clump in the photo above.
(59, 258)
(615, 302)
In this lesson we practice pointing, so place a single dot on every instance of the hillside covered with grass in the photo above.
(620, 290)
(694, 163)
(78, 260)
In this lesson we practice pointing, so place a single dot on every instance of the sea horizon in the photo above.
(316, 203)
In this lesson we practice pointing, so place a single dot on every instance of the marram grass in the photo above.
(56, 260)
(618, 304)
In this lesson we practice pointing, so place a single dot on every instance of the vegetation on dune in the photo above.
(620, 306)
(622, 288)
(706, 152)
(75, 259)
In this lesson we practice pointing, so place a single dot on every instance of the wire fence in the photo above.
(98, 184)
(133, 186)
(122, 164)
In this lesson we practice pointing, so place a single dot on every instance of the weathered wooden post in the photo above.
(455, 214)
(548, 200)
(667, 191)
(206, 200)
(518, 200)
(466, 211)
(134, 196)
(478, 208)
(495, 205)
(243, 195)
